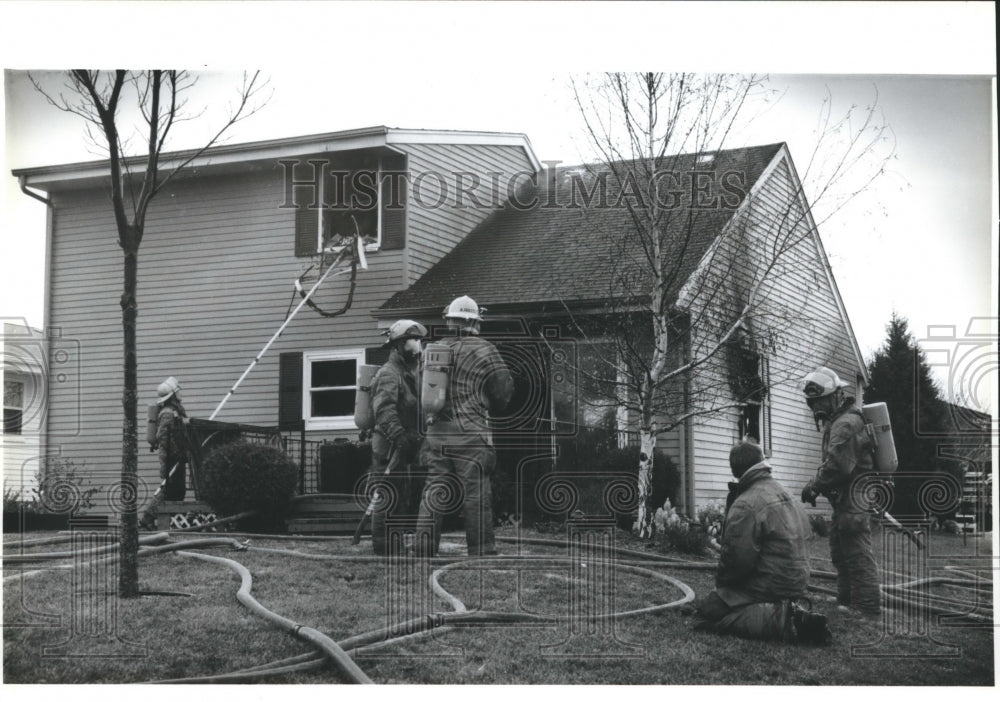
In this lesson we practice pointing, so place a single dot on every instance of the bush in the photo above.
(240, 476)
(950, 526)
(712, 516)
(591, 453)
(820, 524)
(676, 534)
(58, 493)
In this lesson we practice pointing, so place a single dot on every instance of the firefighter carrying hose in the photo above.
(396, 436)
(171, 441)
(847, 454)
(458, 452)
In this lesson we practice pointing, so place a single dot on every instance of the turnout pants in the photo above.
(396, 493)
(851, 553)
(459, 474)
(757, 620)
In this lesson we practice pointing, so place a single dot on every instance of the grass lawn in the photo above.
(164, 637)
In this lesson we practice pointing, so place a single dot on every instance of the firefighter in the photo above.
(172, 445)
(763, 566)
(396, 436)
(847, 454)
(458, 452)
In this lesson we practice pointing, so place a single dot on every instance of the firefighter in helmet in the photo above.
(172, 445)
(458, 446)
(396, 436)
(847, 454)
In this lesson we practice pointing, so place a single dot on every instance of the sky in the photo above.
(921, 241)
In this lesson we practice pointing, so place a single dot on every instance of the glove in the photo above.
(406, 444)
(808, 494)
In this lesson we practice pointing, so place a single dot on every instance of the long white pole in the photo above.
(274, 338)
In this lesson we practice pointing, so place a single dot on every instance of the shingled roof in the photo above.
(557, 251)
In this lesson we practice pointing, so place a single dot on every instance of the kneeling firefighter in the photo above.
(396, 436)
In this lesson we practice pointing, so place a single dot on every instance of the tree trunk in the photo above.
(644, 522)
(128, 582)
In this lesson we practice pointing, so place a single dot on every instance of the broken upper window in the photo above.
(346, 194)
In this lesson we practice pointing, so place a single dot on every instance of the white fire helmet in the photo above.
(167, 389)
(820, 383)
(405, 329)
(463, 307)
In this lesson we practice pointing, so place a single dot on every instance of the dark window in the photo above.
(326, 374)
(755, 417)
(332, 403)
(13, 406)
(12, 421)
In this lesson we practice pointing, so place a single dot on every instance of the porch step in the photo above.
(325, 513)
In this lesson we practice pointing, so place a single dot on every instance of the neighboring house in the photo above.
(967, 444)
(23, 364)
(225, 242)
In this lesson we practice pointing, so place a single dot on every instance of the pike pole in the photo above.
(911, 535)
(359, 247)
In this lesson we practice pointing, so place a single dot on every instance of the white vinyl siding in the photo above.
(216, 275)
(217, 267)
(815, 335)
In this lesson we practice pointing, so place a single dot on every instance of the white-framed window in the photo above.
(329, 384)
(13, 406)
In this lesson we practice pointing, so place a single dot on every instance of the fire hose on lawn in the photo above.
(640, 563)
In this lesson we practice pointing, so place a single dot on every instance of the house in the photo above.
(470, 213)
(547, 266)
(23, 366)
(224, 245)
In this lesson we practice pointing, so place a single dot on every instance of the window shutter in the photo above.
(393, 202)
(306, 221)
(290, 391)
(376, 356)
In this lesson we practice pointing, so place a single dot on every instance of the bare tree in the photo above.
(693, 301)
(160, 99)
